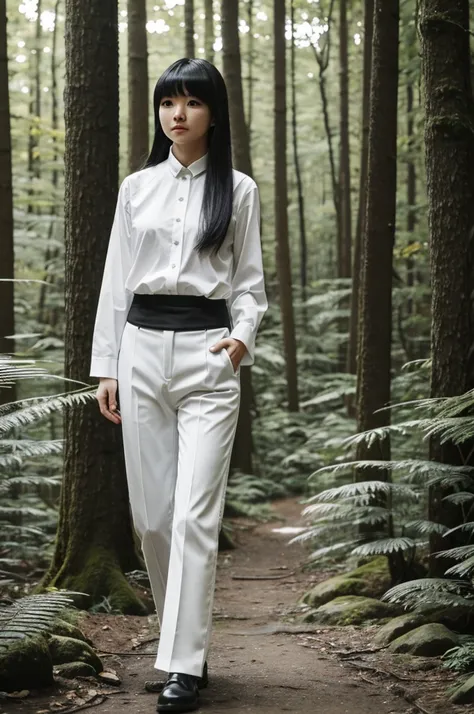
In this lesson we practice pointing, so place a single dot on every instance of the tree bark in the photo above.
(94, 545)
(137, 85)
(7, 315)
(356, 311)
(52, 253)
(35, 110)
(232, 70)
(250, 63)
(283, 259)
(299, 183)
(375, 338)
(449, 155)
(411, 191)
(209, 31)
(189, 28)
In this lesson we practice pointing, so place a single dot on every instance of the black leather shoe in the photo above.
(157, 685)
(180, 694)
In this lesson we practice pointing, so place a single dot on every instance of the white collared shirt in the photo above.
(151, 250)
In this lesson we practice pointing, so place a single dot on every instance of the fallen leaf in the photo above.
(21, 694)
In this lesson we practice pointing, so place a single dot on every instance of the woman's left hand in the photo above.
(235, 349)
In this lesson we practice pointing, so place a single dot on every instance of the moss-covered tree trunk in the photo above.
(449, 153)
(95, 543)
(209, 35)
(6, 204)
(137, 85)
(376, 299)
(232, 68)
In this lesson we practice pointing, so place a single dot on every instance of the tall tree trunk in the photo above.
(322, 59)
(250, 63)
(137, 85)
(356, 312)
(283, 260)
(375, 338)
(35, 109)
(94, 543)
(411, 190)
(232, 69)
(345, 235)
(344, 153)
(299, 184)
(189, 28)
(209, 31)
(51, 253)
(449, 154)
(7, 319)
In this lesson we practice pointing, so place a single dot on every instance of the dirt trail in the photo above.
(260, 673)
(252, 668)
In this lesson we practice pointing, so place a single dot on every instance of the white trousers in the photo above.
(179, 404)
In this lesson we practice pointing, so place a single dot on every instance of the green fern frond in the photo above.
(459, 553)
(427, 527)
(330, 549)
(429, 590)
(18, 449)
(342, 510)
(41, 407)
(31, 614)
(464, 569)
(362, 488)
(469, 527)
(459, 498)
(385, 546)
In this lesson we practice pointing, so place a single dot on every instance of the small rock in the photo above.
(68, 649)
(71, 670)
(430, 640)
(109, 678)
(464, 693)
(350, 610)
(398, 627)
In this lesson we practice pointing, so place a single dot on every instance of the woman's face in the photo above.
(184, 119)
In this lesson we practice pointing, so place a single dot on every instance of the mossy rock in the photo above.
(350, 610)
(66, 629)
(463, 693)
(430, 640)
(71, 670)
(27, 664)
(369, 580)
(397, 627)
(67, 649)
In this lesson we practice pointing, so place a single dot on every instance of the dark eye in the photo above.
(166, 103)
(194, 102)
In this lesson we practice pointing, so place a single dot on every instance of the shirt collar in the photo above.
(177, 168)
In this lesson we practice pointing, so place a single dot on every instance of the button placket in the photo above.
(177, 235)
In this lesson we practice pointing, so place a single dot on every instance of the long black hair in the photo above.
(199, 78)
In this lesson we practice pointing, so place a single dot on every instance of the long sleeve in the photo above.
(248, 301)
(114, 300)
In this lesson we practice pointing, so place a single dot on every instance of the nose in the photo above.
(179, 113)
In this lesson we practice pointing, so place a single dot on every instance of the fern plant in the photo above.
(28, 488)
(31, 615)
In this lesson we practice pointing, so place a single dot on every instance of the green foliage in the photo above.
(30, 615)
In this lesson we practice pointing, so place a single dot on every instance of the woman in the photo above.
(181, 301)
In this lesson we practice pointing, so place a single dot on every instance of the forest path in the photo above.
(260, 673)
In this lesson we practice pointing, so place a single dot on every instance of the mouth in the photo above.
(179, 128)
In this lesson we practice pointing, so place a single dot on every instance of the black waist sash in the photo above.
(180, 313)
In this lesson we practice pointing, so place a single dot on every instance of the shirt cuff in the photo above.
(243, 331)
(104, 367)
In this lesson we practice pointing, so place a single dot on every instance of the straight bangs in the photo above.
(185, 80)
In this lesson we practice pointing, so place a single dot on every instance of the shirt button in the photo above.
(181, 199)
(178, 220)
(176, 242)
(183, 178)
(173, 265)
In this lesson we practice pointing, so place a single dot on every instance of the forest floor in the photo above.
(260, 660)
